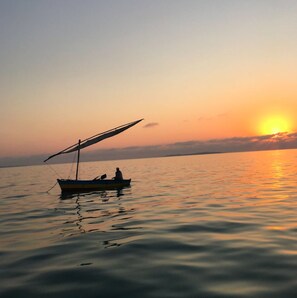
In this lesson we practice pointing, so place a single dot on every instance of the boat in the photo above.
(68, 185)
(98, 183)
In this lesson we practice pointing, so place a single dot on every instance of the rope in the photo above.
(57, 174)
(72, 164)
(54, 170)
(52, 187)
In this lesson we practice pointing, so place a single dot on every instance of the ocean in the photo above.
(221, 225)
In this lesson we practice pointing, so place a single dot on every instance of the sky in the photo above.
(194, 70)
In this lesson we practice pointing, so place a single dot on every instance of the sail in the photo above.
(96, 138)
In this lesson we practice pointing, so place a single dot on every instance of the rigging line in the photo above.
(52, 187)
(72, 164)
(54, 170)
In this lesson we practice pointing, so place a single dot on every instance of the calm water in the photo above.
(196, 226)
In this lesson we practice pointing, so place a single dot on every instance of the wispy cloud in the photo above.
(253, 143)
(151, 124)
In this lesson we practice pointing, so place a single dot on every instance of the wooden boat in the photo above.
(68, 185)
(77, 185)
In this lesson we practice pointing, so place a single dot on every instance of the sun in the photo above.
(274, 125)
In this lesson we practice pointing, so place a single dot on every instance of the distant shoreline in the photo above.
(39, 161)
(111, 159)
(195, 153)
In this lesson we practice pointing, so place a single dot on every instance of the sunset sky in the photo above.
(194, 70)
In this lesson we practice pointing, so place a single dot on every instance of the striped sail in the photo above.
(96, 138)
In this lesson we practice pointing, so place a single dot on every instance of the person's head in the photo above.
(118, 169)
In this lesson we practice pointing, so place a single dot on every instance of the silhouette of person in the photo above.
(118, 174)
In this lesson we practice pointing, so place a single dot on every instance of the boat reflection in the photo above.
(99, 211)
(101, 193)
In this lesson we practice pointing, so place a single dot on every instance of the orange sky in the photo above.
(197, 70)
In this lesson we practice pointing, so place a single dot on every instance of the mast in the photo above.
(78, 155)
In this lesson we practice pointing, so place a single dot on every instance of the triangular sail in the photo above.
(95, 139)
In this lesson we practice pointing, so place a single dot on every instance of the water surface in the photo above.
(195, 226)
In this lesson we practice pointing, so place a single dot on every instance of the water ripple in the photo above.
(201, 226)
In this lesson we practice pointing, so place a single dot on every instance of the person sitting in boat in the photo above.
(118, 175)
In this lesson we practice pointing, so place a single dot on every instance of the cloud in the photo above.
(235, 144)
(238, 144)
(151, 124)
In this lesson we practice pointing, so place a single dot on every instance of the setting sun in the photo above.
(274, 125)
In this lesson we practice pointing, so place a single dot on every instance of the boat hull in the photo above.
(68, 185)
